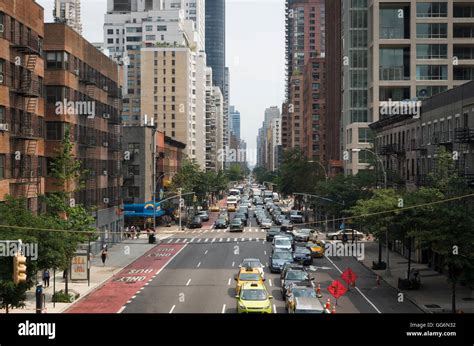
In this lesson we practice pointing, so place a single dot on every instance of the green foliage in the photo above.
(235, 173)
(63, 297)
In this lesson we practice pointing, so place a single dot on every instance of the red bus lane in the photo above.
(114, 294)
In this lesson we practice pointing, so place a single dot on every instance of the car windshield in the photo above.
(267, 220)
(304, 231)
(302, 250)
(249, 277)
(282, 256)
(282, 242)
(253, 294)
(296, 275)
(304, 292)
(274, 230)
(220, 220)
(251, 263)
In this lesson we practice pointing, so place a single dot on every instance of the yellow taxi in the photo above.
(317, 248)
(214, 208)
(246, 275)
(231, 208)
(253, 298)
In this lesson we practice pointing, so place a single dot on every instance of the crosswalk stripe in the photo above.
(220, 239)
(170, 241)
(228, 239)
(212, 231)
(213, 240)
(192, 240)
(199, 240)
(206, 240)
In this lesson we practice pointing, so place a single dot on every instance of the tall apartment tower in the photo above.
(304, 110)
(215, 40)
(22, 104)
(409, 50)
(234, 117)
(68, 12)
(76, 72)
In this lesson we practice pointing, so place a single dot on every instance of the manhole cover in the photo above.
(433, 306)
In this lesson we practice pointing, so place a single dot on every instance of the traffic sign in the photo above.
(349, 276)
(337, 289)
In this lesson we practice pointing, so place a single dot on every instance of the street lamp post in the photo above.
(324, 169)
(387, 268)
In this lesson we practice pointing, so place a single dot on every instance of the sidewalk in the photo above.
(120, 256)
(434, 295)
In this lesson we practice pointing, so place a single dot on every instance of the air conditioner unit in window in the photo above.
(105, 144)
(106, 200)
(106, 116)
(104, 172)
(4, 127)
(76, 72)
(106, 88)
(1, 78)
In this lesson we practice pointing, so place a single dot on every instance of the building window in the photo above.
(133, 192)
(161, 28)
(3, 118)
(432, 51)
(2, 71)
(364, 135)
(54, 130)
(432, 30)
(150, 37)
(133, 170)
(431, 72)
(55, 59)
(431, 9)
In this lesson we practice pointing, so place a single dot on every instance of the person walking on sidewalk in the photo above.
(104, 255)
(46, 276)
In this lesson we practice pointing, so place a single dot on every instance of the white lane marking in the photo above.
(223, 309)
(206, 252)
(134, 297)
(270, 282)
(129, 302)
(218, 231)
(266, 264)
(220, 240)
(199, 240)
(193, 231)
(199, 264)
(123, 308)
(147, 283)
(235, 239)
(206, 240)
(233, 264)
(187, 283)
(264, 241)
(228, 282)
(206, 231)
(274, 309)
(228, 239)
(357, 288)
(213, 240)
(171, 311)
(250, 239)
(265, 252)
(170, 241)
(192, 240)
(212, 231)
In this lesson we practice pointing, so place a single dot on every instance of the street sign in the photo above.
(349, 276)
(337, 289)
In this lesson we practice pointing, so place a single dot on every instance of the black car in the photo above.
(236, 225)
(302, 255)
(195, 222)
(286, 226)
(278, 260)
(242, 217)
(273, 231)
(220, 223)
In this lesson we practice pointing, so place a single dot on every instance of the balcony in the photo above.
(464, 135)
(30, 45)
(393, 73)
(26, 127)
(26, 86)
(391, 149)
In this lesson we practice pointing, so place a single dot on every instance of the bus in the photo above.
(235, 193)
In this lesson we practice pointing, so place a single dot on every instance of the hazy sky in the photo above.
(255, 54)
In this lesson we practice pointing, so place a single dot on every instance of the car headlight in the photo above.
(242, 306)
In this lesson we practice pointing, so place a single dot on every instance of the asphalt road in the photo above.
(200, 278)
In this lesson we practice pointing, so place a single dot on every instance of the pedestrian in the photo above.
(138, 232)
(104, 254)
(127, 232)
(46, 276)
(132, 235)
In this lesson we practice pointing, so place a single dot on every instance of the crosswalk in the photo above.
(202, 231)
(212, 240)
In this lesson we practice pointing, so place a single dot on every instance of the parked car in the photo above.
(236, 225)
(302, 255)
(339, 235)
(195, 222)
(278, 259)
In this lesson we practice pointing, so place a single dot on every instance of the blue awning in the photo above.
(143, 210)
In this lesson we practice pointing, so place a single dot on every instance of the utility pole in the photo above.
(179, 194)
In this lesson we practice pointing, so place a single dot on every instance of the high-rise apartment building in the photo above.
(214, 117)
(215, 40)
(234, 121)
(68, 12)
(22, 106)
(269, 138)
(83, 93)
(304, 110)
(400, 52)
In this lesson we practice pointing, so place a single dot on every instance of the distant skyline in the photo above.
(255, 35)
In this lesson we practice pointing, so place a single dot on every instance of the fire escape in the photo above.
(26, 125)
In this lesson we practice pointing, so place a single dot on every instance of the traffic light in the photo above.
(19, 269)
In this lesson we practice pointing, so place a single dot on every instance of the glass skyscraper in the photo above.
(215, 40)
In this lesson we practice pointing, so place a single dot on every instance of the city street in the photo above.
(197, 276)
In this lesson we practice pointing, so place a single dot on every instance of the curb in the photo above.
(412, 300)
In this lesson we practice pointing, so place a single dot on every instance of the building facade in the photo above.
(215, 40)
(397, 52)
(234, 121)
(22, 103)
(80, 77)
